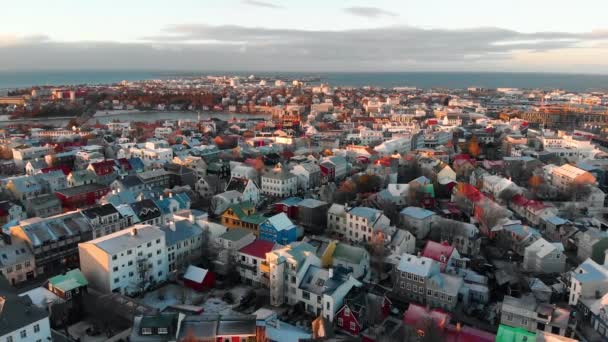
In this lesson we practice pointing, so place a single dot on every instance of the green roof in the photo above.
(239, 211)
(511, 334)
(69, 281)
(350, 253)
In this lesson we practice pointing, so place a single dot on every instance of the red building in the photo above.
(198, 279)
(328, 170)
(351, 317)
(81, 196)
(289, 206)
(440, 252)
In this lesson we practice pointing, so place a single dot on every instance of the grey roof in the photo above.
(127, 238)
(316, 280)
(100, 211)
(81, 189)
(130, 181)
(235, 234)
(54, 228)
(208, 326)
(16, 312)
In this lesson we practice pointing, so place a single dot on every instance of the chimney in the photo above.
(331, 273)
(170, 195)
(191, 218)
(134, 232)
(161, 197)
(172, 225)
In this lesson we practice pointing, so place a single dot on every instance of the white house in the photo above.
(587, 281)
(279, 183)
(127, 261)
(363, 222)
(250, 259)
(22, 319)
(296, 276)
(417, 220)
(543, 256)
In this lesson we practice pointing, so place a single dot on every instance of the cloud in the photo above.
(259, 3)
(369, 12)
(240, 48)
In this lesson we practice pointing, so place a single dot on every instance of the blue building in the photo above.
(279, 229)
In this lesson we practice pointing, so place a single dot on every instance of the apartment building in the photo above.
(127, 262)
(419, 279)
(566, 176)
(279, 183)
(356, 224)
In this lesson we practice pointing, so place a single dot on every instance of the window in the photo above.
(163, 331)
(415, 288)
(352, 326)
(115, 268)
(157, 241)
(23, 334)
(340, 322)
(146, 331)
(347, 312)
(114, 257)
(116, 280)
(36, 328)
(9, 339)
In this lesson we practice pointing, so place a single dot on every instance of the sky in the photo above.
(312, 35)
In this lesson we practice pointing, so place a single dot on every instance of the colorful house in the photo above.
(243, 215)
(279, 229)
(198, 278)
(358, 304)
(81, 196)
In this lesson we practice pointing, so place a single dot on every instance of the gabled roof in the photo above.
(440, 252)
(281, 222)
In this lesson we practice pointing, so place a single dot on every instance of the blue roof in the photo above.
(136, 163)
(183, 230)
(556, 220)
(590, 271)
(368, 213)
(122, 197)
(291, 201)
(416, 212)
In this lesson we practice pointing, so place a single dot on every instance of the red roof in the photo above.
(258, 248)
(519, 200)
(467, 334)
(63, 168)
(470, 192)
(124, 163)
(536, 205)
(104, 167)
(417, 316)
(436, 250)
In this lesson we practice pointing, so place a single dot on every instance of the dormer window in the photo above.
(163, 331)
(146, 331)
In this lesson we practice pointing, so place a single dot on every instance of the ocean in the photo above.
(570, 82)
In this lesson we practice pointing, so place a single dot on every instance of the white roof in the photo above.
(281, 222)
(195, 274)
(419, 265)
